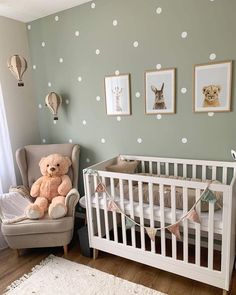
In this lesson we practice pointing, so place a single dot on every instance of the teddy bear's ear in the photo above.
(41, 161)
(68, 160)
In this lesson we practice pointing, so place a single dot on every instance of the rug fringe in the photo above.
(36, 268)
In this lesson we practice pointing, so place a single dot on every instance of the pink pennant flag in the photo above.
(112, 206)
(193, 216)
(151, 232)
(100, 188)
(174, 229)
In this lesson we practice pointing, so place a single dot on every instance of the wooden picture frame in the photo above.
(212, 87)
(117, 94)
(160, 92)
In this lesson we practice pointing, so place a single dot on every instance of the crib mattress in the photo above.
(157, 212)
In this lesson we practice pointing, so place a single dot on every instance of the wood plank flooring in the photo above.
(12, 267)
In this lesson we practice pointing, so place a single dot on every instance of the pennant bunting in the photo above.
(151, 231)
(208, 196)
(100, 188)
(174, 229)
(112, 206)
(129, 223)
(193, 216)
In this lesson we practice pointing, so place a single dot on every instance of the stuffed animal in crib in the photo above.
(50, 189)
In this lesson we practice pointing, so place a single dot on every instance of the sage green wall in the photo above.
(211, 29)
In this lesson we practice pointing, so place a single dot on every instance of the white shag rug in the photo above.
(56, 275)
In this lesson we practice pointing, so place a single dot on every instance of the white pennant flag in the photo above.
(151, 231)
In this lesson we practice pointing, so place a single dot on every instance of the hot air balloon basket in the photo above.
(174, 214)
(20, 84)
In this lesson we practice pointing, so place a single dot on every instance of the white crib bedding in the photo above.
(157, 212)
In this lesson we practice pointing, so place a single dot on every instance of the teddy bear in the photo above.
(50, 189)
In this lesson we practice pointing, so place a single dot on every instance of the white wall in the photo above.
(19, 102)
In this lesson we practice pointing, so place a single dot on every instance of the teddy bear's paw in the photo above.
(57, 211)
(34, 212)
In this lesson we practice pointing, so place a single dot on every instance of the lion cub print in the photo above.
(211, 96)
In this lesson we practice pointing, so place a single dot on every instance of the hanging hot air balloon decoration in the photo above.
(53, 102)
(17, 65)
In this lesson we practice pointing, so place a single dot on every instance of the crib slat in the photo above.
(123, 209)
(210, 235)
(175, 169)
(162, 213)
(173, 220)
(150, 166)
(150, 192)
(194, 171)
(185, 224)
(89, 212)
(213, 173)
(224, 180)
(167, 168)
(97, 207)
(158, 168)
(131, 200)
(143, 166)
(203, 172)
(184, 170)
(198, 231)
(140, 193)
(106, 212)
(114, 213)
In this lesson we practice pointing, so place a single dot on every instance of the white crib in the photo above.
(215, 235)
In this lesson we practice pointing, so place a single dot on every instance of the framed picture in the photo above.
(117, 90)
(212, 87)
(160, 92)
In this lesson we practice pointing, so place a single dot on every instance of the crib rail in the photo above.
(135, 195)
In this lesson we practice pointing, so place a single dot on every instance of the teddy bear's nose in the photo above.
(52, 169)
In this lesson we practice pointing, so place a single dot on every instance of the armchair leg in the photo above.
(65, 250)
(18, 252)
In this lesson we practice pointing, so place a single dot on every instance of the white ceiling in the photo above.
(29, 10)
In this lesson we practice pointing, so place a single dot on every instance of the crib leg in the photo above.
(95, 253)
(225, 292)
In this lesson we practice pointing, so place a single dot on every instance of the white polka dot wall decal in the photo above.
(88, 160)
(115, 22)
(137, 94)
(159, 10)
(135, 44)
(56, 18)
(212, 56)
(211, 114)
(98, 98)
(103, 140)
(77, 33)
(40, 106)
(117, 72)
(70, 140)
(93, 5)
(43, 140)
(183, 90)
(158, 66)
(79, 79)
(84, 122)
(34, 67)
(184, 140)
(49, 84)
(159, 117)
(61, 60)
(67, 101)
(139, 140)
(184, 35)
(54, 122)
(97, 51)
(43, 44)
(29, 27)
(118, 118)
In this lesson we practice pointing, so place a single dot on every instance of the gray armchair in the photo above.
(44, 232)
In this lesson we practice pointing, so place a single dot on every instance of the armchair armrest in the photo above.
(22, 190)
(72, 199)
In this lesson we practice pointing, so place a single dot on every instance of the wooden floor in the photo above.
(12, 267)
